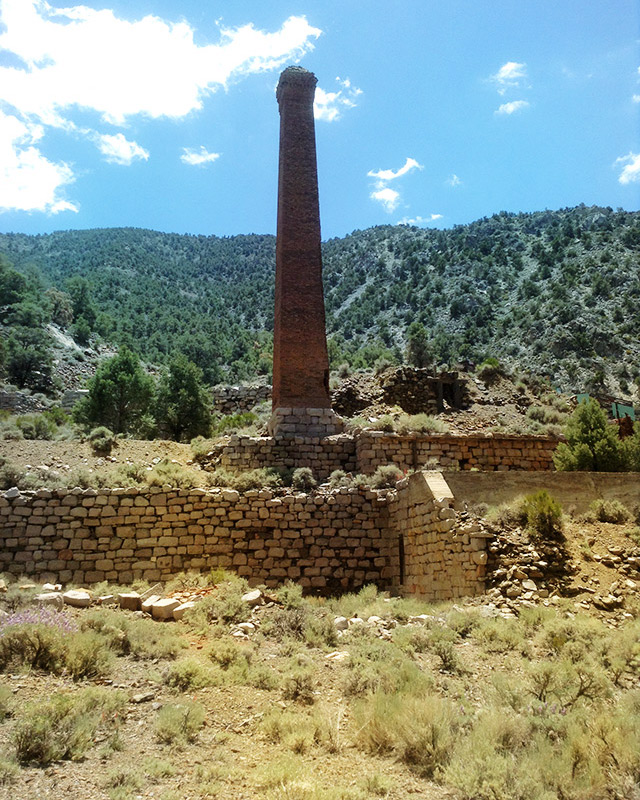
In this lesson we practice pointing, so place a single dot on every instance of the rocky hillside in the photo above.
(557, 291)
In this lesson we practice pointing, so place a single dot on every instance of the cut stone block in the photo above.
(148, 604)
(130, 601)
(50, 599)
(179, 612)
(164, 609)
(77, 598)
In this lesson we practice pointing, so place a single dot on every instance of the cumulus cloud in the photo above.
(636, 98)
(512, 107)
(385, 175)
(453, 180)
(92, 59)
(119, 150)
(630, 168)
(328, 106)
(420, 220)
(388, 197)
(28, 180)
(198, 158)
(510, 76)
(78, 58)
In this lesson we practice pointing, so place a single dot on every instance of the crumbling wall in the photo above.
(436, 556)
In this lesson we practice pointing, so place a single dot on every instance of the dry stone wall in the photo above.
(234, 399)
(366, 451)
(324, 542)
(449, 452)
(243, 453)
(437, 557)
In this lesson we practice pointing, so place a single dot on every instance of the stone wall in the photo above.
(235, 399)
(366, 451)
(436, 555)
(324, 542)
(575, 491)
(449, 452)
(243, 453)
(20, 403)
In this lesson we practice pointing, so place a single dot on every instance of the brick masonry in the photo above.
(300, 359)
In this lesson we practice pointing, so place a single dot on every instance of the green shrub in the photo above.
(169, 473)
(298, 685)
(8, 771)
(64, 727)
(544, 515)
(87, 656)
(225, 605)
(385, 477)
(303, 480)
(420, 423)
(420, 732)
(101, 440)
(180, 723)
(339, 479)
(592, 442)
(233, 423)
(190, 673)
(36, 426)
(608, 511)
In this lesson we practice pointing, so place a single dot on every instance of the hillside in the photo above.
(490, 288)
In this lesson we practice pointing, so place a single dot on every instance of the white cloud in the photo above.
(630, 165)
(388, 197)
(636, 98)
(119, 150)
(197, 158)
(384, 175)
(81, 58)
(420, 220)
(454, 180)
(28, 180)
(509, 76)
(512, 107)
(328, 105)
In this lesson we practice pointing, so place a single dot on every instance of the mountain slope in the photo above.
(557, 292)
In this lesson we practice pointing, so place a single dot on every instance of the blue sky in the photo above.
(161, 115)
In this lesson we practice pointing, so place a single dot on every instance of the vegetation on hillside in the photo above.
(487, 289)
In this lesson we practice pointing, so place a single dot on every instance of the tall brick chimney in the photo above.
(301, 399)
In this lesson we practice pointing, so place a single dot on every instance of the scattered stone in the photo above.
(179, 612)
(52, 587)
(252, 598)
(163, 609)
(247, 627)
(131, 601)
(148, 604)
(529, 586)
(341, 623)
(50, 599)
(3, 586)
(78, 598)
(12, 493)
(143, 697)
(375, 620)
(338, 655)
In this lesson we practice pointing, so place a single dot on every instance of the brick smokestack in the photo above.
(300, 360)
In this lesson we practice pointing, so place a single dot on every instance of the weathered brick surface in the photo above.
(300, 361)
